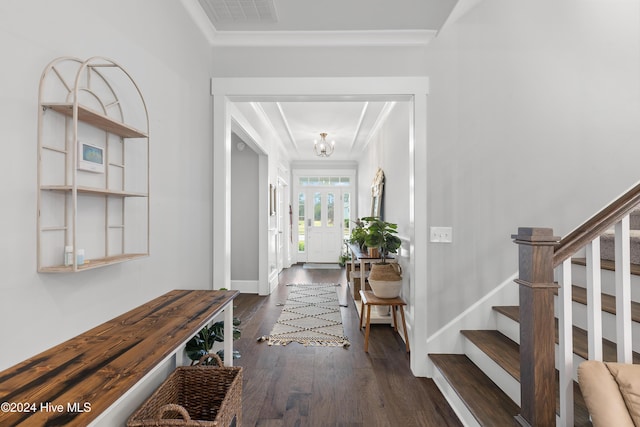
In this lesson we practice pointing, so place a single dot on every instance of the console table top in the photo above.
(98, 366)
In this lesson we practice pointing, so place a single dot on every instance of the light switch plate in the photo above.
(441, 234)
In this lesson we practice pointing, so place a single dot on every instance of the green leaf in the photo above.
(203, 341)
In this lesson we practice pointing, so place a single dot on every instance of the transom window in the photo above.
(336, 181)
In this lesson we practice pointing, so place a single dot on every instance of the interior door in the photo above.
(281, 215)
(324, 219)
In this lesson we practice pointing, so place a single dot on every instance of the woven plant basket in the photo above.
(195, 396)
(386, 272)
(386, 280)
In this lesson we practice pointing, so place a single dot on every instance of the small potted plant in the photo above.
(342, 259)
(358, 234)
(385, 278)
(203, 341)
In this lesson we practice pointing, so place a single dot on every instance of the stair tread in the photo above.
(579, 294)
(607, 265)
(580, 338)
(485, 400)
(494, 342)
(504, 352)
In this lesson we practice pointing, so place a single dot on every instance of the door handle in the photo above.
(309, 222)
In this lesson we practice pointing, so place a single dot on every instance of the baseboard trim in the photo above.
(245, 286)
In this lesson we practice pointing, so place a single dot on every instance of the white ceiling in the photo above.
(351, 123)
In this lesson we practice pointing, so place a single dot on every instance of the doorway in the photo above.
(324, 212)
(227, 91)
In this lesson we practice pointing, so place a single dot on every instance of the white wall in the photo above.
(170, 60)
(389, 150)
(533, 121)
(318, 61)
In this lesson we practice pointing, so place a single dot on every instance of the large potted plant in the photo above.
(385, 278)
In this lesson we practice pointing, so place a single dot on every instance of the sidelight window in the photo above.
(331, 204)
(301, 233)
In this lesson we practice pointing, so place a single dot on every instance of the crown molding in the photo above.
(322, 38)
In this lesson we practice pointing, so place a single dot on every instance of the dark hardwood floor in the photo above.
(295, 385)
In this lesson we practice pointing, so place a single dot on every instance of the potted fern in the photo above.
(385, 278)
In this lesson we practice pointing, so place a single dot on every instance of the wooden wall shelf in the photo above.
(93, 208)
(92, 263)
(101, 121)
(91, 190)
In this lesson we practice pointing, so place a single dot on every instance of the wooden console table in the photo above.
(363, 261)
(358, 279)
(75, 382)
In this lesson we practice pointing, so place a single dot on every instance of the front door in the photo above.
(323, 221)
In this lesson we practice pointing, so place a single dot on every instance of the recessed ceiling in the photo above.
(346, 123)
(298, 123)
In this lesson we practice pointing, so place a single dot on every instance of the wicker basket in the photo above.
(193, 396)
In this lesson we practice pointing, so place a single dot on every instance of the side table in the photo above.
(369, 299)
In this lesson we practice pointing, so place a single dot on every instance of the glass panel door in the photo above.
(324, 238)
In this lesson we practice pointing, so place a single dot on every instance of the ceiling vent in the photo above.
(221, 11)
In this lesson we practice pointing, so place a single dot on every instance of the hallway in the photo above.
(330, 386)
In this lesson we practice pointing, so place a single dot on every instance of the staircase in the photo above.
(483, 384)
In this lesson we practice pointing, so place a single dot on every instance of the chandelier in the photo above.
(323, 148)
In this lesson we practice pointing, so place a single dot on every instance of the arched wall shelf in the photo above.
(93, 166)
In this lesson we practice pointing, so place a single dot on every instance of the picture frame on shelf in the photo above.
(90, 157)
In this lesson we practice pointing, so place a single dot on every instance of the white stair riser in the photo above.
(511, 329)
(508, 327)
(608, 281)
(466, 417)
(509, 385)
(608, 324)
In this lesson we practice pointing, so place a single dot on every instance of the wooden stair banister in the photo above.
(537, 323)
(596, 225)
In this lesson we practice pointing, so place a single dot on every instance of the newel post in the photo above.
(537, 326)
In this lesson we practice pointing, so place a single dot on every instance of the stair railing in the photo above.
(544, 258)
